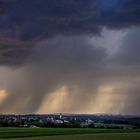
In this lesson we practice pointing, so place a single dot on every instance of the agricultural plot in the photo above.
(25, 133)
(112, 136)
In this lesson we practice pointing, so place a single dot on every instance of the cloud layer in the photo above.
(24, 23)
(83, 52)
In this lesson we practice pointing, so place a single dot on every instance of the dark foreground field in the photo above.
(87, 133)
(110, 136)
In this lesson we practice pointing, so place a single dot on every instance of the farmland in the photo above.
(67, 133)
(112, 136)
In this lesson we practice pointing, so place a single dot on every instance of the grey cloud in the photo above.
(128, 52)
(62, 61)
(80, 66)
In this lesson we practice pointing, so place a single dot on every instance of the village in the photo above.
(69, 121)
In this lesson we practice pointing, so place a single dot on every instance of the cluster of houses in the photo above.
(32, 121)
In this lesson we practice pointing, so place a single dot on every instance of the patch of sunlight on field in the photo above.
(113, 136)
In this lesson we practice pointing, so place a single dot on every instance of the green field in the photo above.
(112, 136)
(37, 132)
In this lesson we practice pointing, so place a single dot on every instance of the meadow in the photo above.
(68, 133)
(111, 136)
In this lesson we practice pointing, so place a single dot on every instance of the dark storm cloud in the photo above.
(66, 58)
(35, 20)
(45, 18)
(119, 14)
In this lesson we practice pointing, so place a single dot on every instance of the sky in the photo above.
(77, 56)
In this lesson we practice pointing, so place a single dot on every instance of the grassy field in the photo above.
(35, 132)
(111, 136)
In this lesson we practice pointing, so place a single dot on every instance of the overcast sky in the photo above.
(76, 56)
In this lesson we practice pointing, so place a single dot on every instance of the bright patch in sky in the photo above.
(3, 95)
